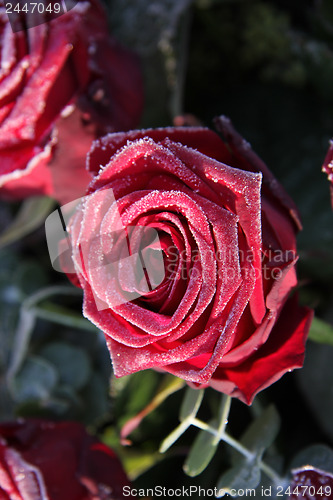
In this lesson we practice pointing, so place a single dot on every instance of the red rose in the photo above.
(310, 483)
(328, 168)
(222, 315)
(62, 84)
(41, 460)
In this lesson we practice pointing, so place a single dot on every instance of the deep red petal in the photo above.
(283, 352)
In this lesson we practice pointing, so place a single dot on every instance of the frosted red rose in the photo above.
(310, 483)
(62, 84)
(222, 315)
(42, 460)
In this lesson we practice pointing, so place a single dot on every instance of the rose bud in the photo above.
(63, 83)
(185, 250)
(328, 168)
(42, 460)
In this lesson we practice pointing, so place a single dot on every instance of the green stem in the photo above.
(279, 481)
(61, 318)
(27, 320)
(47, 292)
(177, 96)
(223, 437)
(239, 447)
(175, 434)
(24, 328)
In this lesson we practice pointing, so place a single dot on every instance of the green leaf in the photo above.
(321, 331)
(31, 215)
(191, 403)
(170, 384)
(201, 453)
(27, 318)
(133, 393)
(35, 380)
(245, 475)
(21, 341)
(318, 455)
(262, 431)
(55, 406)
(63, 401)
(17, 279)
(72, 363)
(136, 463)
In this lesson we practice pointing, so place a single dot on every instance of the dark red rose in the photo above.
(221, 314)
(41, 460)
(62, 84)
(310, 483)
(328, 168)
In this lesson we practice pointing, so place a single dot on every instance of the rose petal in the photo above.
(283, 352)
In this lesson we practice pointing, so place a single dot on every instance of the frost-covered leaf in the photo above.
(318, 455)
(72, 363)
(245, 475)
(262, 431)
(18, 278)
(35, 380)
